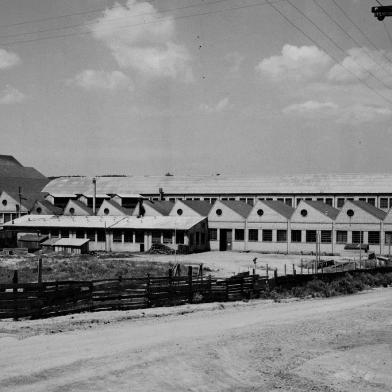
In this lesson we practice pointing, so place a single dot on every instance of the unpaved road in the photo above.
(338, 344)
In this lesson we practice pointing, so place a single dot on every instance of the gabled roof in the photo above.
(240, 207)
(27, 199)
(370, 209)
(53, 209)
(8, 160)
(325, 209)
(125, 211)
(162, 206)
(280, 207)
(82, 206)
(201, 207)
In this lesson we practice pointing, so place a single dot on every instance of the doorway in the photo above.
(225, 239)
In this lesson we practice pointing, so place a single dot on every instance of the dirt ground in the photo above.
(329, 345)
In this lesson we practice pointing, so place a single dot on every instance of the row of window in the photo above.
(324, 236)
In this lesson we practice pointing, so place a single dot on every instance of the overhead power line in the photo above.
(351, 37)
(335, 43)
(158, 20)
(332, 57)
(112, 20)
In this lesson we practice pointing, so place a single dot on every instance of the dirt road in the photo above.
(338, 344)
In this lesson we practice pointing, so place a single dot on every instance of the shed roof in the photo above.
(240, 207)
(32, 238)
(325, 209)
(201, 207)
(50, 241)
(370, 209)
(73, 242)
(123, 222)
(354, 183)
(280, 207)
(162, 206)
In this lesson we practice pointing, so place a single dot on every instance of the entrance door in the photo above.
(225, 240)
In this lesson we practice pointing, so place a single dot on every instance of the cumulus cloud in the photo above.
(10, 95)
(347, 114)
(141, 39)
(220, 106)
(8, 59)
(297, 63)
(100, 80)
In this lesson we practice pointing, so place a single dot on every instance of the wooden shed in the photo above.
(72, 245)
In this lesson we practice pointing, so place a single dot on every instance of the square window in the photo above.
(384, 202)
(91, 235)
(326, 236)
(329, 201)
(139, 237)
(311, 235)
(289, 202)
(128, 236)
(340, 202)
(296, 236)
(117, 236)
(374, 237)
(372, 201)
(357, 237)
(167, 237)
(79, 233)
(341, 237)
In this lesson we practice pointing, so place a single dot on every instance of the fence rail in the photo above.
(47, 299)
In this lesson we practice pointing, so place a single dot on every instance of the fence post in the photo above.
(302, 268)
(40, 270)
(148, 291)
(119, 292)
(170, 285)
(15, 290)
(285, 271)
(190, 290)
(275, 273)
(294, 271)
(227, 289)
(267, 272)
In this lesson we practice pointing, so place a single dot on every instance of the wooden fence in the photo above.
(46, 299)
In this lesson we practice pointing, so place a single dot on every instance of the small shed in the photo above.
(48, 245)
(72, 245)
(32, 242)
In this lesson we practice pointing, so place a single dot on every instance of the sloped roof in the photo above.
(54, 209)
(82, 206)
(280, 207)
(50, 241)
(8, 160)
(162, 206)
(356, 183)
(117, 222)
(325, 209)
(32, 238)
(71, 242)
(240, 207)
(201, 207)
(126, 211)
(28, 199)
(370, 209)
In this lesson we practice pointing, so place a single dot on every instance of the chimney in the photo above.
(94, 195)
(141, 209)
(161, 194)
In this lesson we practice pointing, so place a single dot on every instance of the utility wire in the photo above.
(112, 20)
(369, 53)
(334, 42)
(362, 32)
(370, 87)
(158, 20)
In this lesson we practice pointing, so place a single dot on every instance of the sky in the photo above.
(190, 87)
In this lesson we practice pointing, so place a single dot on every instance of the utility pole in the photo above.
(380, 12)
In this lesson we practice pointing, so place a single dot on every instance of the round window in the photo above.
(39, 210)
(219, 212)
(179, 211)
(260, 212)
(106, 211)
(350, 213)
(304, 212)
(72, 210)
(4, 202)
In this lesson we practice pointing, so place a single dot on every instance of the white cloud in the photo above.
(8, 59)
(297, 63)
(348, 114)
(362, 63)
(10, 95)
(220, 106)
(100, 80)
(143, 40)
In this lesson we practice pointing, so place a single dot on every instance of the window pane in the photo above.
(296, 236)
(374, 237)
(357, 237)
(128, 236)
(139, 237)
(388, 237)
(326, 236)
(101, 235)
(372, 201)
(329, 201)
(79, 234)
(156, 237)
(267, 235)
(310, 235)
(64, 234)
(117, 236)
(253, 235)
(90, 235)
(341, 237)
(179, 237)
(281, 236)
(340, 202)
(239, 234)
(167, 237)
(213, 234)
(383, 202)
(289, 201)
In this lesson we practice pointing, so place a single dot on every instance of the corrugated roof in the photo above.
(82, 206)
(325, 209)
(201, 207)
(285, 184)
(121, 222)
(240, 207)
(71, 242)
(280, 208)
(164, 207)
(369, 208)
